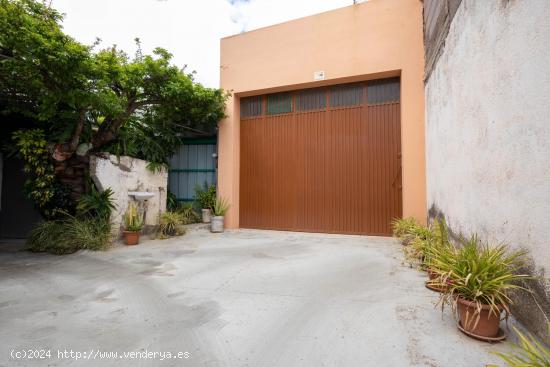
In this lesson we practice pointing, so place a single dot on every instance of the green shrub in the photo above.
(424, 242)
(205, 196)
(188, 214)
(403, 226)
(171, 224)
(68, 235)
(96, 204)
(171, 202)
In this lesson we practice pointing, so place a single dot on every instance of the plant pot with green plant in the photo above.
(133, 223)
(438, 253)
(479, 279)
(221, 205)
(205, 197)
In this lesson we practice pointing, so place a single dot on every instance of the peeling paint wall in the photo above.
(488, 133)
(124, 174)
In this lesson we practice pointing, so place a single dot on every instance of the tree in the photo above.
(86, 101)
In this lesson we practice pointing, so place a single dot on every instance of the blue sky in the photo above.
(190, 29)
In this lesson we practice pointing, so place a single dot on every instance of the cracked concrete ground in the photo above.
(241, 298)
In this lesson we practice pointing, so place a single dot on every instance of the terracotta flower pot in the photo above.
(131, 238)
(480, 322)
(432, 284)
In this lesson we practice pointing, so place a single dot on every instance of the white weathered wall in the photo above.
(126, 174)
(488, 126)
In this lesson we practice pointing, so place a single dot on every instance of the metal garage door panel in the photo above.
(334, 170)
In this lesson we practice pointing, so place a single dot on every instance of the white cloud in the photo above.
(190, 30)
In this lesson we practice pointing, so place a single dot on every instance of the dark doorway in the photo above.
(17, 214)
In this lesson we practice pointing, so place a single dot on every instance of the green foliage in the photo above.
(156, 167)
(418, 240)
(32, 147)
(188, 214)
(528, 353)
(171, 202)
(171, 224)
(220, 207)
(403, 226)
(186, 211)
(137, 106)
(205, 196)
(96, 204)
(481, 273)
(133, 221)
(69, 235)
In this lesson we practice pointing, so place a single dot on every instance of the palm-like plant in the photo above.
(96, 204)
(528, 353)
(171, 224)
(220, 207)
(480, 273)
(403, 226)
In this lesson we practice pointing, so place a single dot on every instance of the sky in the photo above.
(189, 29)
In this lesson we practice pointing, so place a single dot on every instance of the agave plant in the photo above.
(220, 207)
(480, 273)
(528, 353)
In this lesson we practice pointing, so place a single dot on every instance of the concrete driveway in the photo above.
(242, 298)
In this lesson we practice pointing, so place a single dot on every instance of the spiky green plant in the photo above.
(481, 273)
(70, 234)
(171, 224)
(188, 214)
(96, 204)
(423, 241)
(528, 353)
(403, 226)
(221, 206)
(437, 243)
(133, 222)
(171, 202)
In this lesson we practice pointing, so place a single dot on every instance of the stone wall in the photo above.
(124, 174)
(488, 134)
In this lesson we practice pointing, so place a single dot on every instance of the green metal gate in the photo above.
(194, 164)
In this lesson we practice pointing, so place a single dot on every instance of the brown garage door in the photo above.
(322, 160)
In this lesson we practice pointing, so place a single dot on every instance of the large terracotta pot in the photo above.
(480, 322)
(131, 238)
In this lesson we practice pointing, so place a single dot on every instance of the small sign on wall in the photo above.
(318, 75)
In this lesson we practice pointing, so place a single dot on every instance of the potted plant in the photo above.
(133, 223)
(205, 198)
(479, 279)
(438, 254)
(221, 205)
(404, 229)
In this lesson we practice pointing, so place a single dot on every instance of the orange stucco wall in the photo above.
(370, 40)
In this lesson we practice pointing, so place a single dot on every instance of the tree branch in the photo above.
(77, 131)
(108, 129)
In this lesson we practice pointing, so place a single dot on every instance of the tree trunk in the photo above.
(73, 173)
